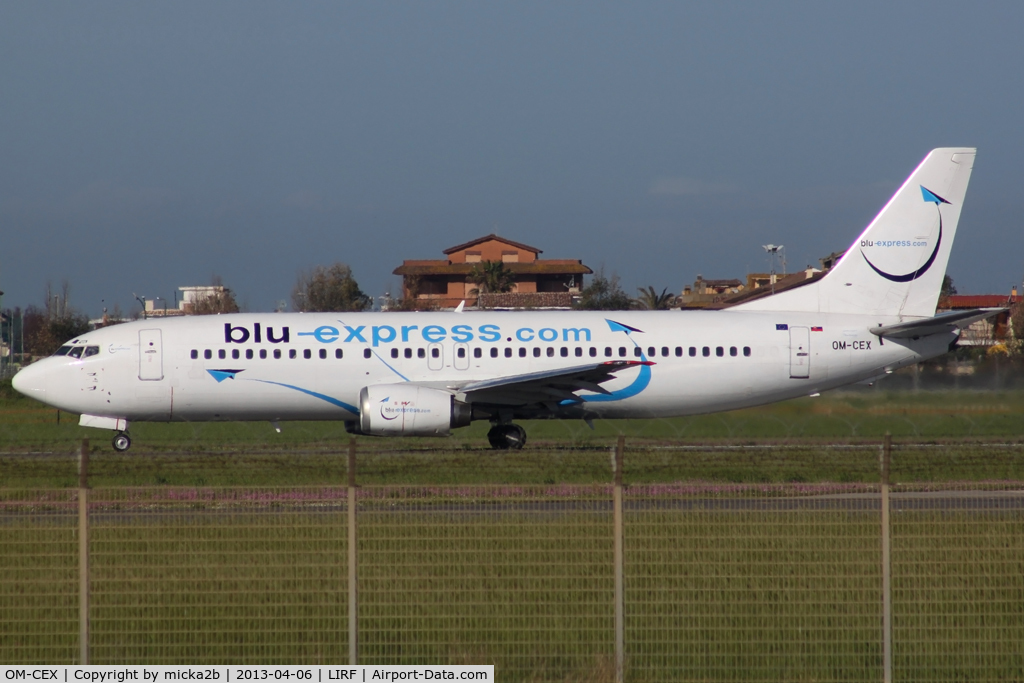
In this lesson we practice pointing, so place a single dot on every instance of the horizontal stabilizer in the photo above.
(940, 324)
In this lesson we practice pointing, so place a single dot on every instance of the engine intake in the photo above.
(409, 410)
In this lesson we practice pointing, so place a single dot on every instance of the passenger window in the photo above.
(494, 352)
(338, 353)
(706, 351)
(408, 353)
(421, 353)
(622, 352)
(263, 354)
(222, 354)
(536, 352)
(593, 352)
(693, 351)
(207, 354)
(522, 352)
(478, 352)
(651, 351)
(235, 354)
(292, 353)
(637, 351)
(194, 354)
(746, 350)
(394, 353)
(460, 352)
(367, 353)
(323, 353)
(91, 351)
(732, 350)
(435, 353)
(76, 352)
(664, 350)
(551, 351)
(508, 353)
(719, 351)
(679, 351)
(248, 354)
(563, 352)
(579, 351)
(608, 351)
(277, 353)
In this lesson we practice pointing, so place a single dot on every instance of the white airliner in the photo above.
(424, 374)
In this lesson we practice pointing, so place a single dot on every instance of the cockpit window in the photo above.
(76, 352)
(63, 351)
(91, 351)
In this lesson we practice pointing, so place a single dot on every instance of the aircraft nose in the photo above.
(31, 381)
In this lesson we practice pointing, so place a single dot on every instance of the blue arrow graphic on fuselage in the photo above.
(221, 375)
(323, 397)
(643, 378)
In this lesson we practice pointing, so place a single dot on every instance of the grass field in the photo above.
(525, 584)
(966, 435)
(181, 573)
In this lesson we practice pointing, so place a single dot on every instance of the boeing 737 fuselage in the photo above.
(419, 374)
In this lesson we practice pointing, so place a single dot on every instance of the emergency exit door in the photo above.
(799, 352)
(151, 355)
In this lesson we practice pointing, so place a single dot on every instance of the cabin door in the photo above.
(151, 355)
(799, 352)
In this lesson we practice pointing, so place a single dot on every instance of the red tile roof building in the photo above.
(445, 283)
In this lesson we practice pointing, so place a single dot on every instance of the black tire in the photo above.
(515, 436)
(121, 442)
(496, 437)
(507, 437)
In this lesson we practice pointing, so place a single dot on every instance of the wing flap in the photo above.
(557, 385)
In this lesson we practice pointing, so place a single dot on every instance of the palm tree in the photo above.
(652, 301)
(491, 277)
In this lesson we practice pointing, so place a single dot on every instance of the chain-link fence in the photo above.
(689, 580)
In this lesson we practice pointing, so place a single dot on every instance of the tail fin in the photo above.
(897, 264)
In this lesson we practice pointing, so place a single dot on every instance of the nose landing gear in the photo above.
(507, 437)
(122, 442)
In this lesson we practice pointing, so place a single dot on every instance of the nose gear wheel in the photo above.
(122, 442)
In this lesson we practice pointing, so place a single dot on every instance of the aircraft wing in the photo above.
(942, 323)
(548, 387)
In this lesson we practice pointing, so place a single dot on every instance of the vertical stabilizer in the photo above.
(897, 264)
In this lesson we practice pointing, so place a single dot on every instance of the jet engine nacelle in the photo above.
(407, 410)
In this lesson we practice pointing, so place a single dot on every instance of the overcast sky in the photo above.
(145, 146)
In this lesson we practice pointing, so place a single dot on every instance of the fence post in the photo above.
(353, 593)
(620, 607)
(83, 553)
(886, 564)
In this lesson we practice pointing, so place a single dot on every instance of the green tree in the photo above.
(650, 300)
(491, 277)
(948, 288)
(329, 289)
(604, 294)
(57, 322)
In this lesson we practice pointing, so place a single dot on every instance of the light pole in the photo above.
(141, 300)
(773, 250)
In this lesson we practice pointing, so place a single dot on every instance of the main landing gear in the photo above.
(122, 442)
(507, 437)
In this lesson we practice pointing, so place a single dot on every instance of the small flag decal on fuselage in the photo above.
(815, 329)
